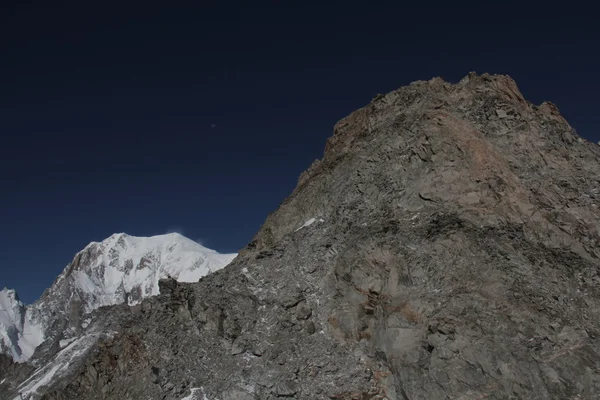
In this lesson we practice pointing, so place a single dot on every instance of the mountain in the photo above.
(18, 335)
(120, 269)
(446, 246)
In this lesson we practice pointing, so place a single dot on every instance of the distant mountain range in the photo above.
(120, 269)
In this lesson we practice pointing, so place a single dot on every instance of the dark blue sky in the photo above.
(106, 111)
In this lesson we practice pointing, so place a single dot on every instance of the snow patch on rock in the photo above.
(195, 395)
(58, 366)
(309, 223)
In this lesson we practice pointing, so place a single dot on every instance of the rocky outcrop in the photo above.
(445, 247)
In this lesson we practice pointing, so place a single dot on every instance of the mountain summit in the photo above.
(446, 246)
(18, 336)
(120, 269)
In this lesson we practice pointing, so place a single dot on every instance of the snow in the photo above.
(9, 305)
(33, 335)
(17, 332)
(309, 223)
(66, 342)
(129, 264)
(59, 365)
(120, 269)
(38, 382)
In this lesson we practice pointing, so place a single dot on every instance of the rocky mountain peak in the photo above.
(10, 294)
(445, 246)
(477, 145)
(18, 336)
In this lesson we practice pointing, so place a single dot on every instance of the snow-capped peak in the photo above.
(126, 268)
(18, 338)
(10, 307)
(120, 269)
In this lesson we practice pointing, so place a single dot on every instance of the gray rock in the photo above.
(458, 257)
(303, 312)
(286, 389)
(237, 348)
(310, 328)
(237, 394)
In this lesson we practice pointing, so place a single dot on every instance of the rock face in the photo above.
(445, 247)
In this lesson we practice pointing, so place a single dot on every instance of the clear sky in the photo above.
(149, 117)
